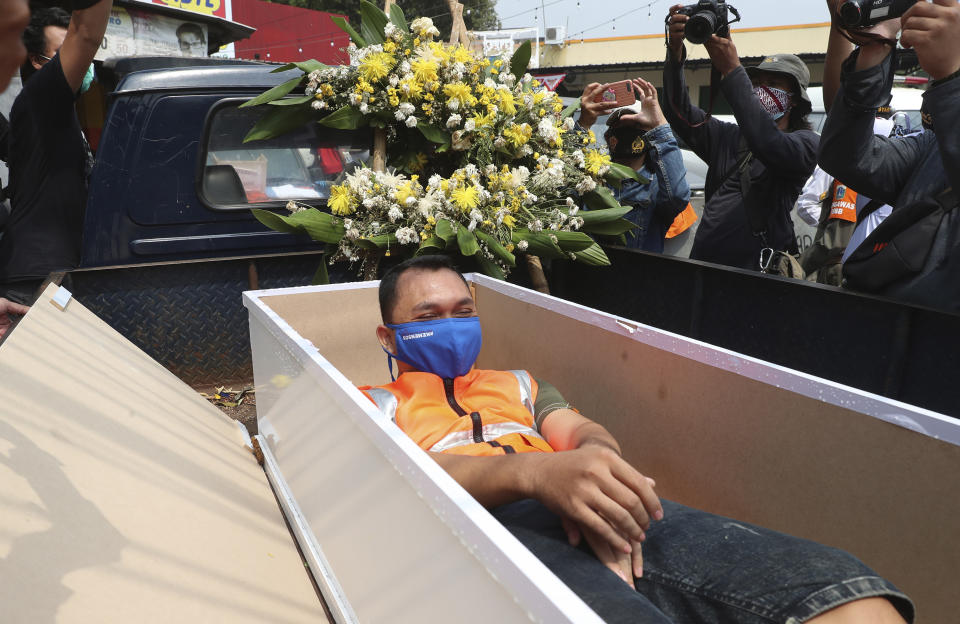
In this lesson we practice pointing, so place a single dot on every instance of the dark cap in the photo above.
(790, 65)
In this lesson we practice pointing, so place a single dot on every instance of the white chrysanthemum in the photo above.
(579, 159)
(398, 115)
(547, 130)
(454, 120)
(522, 245)
(470, 125)
(586, 185)
(529, 198)
(472, 226)
(499, 142)
(576, 222)
(535, 226)
(355, 99)
(423, 26)
(518, 177)
(352, 233)
(375, 227)
(453, 104)
(369, 202)
(389, 29)
(406, 108)
(568, 124)
(364, 108)
(407, 236)
(490, 169)
(347, 223)
(411, 122)
(317, 104)
(393, 80)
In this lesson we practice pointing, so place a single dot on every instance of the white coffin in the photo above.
(392, 538)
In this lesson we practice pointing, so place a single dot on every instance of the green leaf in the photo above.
(573, 241)
(591, 217)
(601, 198)
(467, 241)
(321, 277)
(291, 101)
(430, 245)
(445, 230)
(320, 226)
(279, 120)
(491, 268)
(570, 110)
(610, 228)
(304, 66)
(496, 248)
(618, 173)
(345, 26)
(539, 244)
(382, 241)
(593, 256)
(275, 93)
(372, 22)
(346, 118)
(398, 18)
(520, 60)
(433, 133)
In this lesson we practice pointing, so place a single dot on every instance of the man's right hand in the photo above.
(590, 110)
(678, 22)
(595, 488)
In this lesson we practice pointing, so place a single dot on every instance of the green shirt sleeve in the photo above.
(548, 400)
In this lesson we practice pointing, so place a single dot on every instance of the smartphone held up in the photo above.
(622, 93)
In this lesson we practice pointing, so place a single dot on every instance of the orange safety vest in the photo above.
(484, 412)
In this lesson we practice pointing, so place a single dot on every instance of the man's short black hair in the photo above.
(35, 36)
(388, 285)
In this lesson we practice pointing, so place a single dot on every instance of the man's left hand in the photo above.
(722, 53)
(650, 115)
(931, 30)
(626, 566)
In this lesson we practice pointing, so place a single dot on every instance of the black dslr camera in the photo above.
(707, 17)
(855, 14)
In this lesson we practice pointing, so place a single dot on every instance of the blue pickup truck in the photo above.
(169, 241)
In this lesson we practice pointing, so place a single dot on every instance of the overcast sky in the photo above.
(613, 18)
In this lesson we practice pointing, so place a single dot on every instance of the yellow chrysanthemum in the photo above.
(460, 54)
(424, 70)
(341, 200)
(411, 89)
(417, 162)
(509, 221)
(507, 103)
(518, 135)
(595, 161)
(459, 91)
(465, 197)
(404, 192)
(376, 66)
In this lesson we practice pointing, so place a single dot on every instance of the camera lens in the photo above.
(850, 13)
(700, 27)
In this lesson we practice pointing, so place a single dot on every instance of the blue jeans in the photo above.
(698, 567)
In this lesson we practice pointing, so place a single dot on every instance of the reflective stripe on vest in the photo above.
(386, 402)
(490, 432)
(526, 389)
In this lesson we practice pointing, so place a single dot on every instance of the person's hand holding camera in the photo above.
(931, 30)
(677, 23)
(591, 110)
(722, 53)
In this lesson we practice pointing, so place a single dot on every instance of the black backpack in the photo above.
(913, 255)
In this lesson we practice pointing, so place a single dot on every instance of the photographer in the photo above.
(915, 253)
(757, 168)
(639, 137)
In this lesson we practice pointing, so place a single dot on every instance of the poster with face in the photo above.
(132, 32)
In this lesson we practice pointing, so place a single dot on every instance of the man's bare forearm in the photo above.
(495, 480)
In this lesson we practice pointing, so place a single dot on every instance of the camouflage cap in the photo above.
(790, 65)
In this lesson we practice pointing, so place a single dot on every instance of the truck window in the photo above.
(299, 165)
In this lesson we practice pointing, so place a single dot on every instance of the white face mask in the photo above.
(774, 101)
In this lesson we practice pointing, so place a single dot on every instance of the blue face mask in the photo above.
(445, 347)
(87, 79)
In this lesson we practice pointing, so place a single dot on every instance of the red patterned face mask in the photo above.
(774, 101)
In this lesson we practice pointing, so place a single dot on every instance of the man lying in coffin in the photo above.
(555, 479)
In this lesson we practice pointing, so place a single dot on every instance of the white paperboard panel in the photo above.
(124, 496)
(719, 431)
